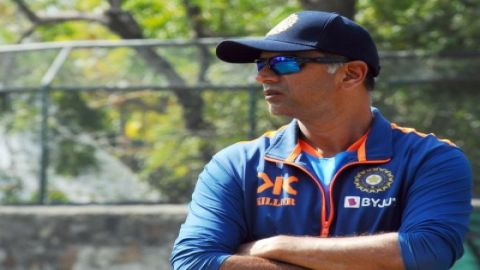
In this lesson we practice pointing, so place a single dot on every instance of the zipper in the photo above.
(326, 222)
(326, 229)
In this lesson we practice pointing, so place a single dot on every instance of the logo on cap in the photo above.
(284, 25)
(374, 180)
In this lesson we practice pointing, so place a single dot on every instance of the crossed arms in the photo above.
(289, 253)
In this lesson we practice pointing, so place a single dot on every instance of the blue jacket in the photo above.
(399, 181)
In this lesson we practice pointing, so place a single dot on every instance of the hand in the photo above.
(244, 249)
(264, 249)
(259, 248)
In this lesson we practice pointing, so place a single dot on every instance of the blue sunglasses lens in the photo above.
(281, 65)
(261, 63)
(284, 65)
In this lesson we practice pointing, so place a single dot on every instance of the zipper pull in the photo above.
(325, 230)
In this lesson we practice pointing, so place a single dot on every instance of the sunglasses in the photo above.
(283, 65)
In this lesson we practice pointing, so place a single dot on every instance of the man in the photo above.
(340, 187)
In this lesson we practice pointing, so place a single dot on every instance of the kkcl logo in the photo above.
(280, 184)
(374, 180)
(278, 192)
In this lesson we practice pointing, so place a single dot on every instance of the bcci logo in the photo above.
(284, 25)
(374, 180)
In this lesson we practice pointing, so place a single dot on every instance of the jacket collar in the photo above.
(377, 146)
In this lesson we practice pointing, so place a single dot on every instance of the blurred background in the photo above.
(123, 102)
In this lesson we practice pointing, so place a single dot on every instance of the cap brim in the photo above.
(246, 50)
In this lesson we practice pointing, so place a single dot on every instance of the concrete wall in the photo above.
(88, 237)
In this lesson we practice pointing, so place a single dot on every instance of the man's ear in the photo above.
(354, 73)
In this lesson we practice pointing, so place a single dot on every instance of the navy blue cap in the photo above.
(305, 31)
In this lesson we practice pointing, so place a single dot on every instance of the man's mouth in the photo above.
(271, 92)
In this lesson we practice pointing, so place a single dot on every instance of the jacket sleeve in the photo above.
(437, 210)
(215, 225)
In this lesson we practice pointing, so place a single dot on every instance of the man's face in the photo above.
(307, 94)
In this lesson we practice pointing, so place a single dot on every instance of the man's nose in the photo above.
(266, 75)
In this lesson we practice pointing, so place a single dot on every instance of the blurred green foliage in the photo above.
(432, 25)
(145, 129)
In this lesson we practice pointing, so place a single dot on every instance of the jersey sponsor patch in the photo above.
(352, 202)
(374, 180)
(278, 191)
(358, 202)
(279, 186)
(262, 201)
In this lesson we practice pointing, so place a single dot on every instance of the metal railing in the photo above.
(64, 50)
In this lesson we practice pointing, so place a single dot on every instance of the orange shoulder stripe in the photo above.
(412, 130)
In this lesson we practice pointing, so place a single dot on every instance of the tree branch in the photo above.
(115, 4)
(27, 33)
(124, 24)
(342, 7)
(25, 9)
(194, 14)
(73, 16)
(37, 20)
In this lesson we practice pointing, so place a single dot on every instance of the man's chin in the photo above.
(279, 112)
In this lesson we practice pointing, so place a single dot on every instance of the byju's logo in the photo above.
(357, 202)
(352, 202)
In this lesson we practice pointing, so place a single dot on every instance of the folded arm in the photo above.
(380, 251)
(243, 262)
